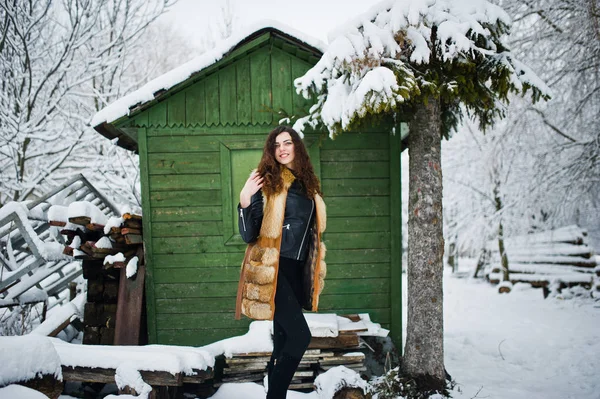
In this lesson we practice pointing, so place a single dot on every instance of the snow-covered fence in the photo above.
(560, 258)
(33, 268)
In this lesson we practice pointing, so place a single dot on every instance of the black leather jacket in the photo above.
(297, 225)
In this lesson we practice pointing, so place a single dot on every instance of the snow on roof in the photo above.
(145, 94)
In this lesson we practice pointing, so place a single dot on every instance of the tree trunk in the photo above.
(424, 352)
(501, 249)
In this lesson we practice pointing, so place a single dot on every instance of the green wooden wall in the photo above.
(196, 146)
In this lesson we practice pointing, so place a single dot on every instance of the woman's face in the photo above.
(284, 150)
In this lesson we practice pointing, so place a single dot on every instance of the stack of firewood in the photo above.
(103, 255)
(323, 354)
(94, 244)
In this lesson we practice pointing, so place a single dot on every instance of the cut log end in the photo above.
(350, 393)
(504, 289)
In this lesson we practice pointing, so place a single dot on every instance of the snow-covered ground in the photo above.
(501, 346)
(515, 346)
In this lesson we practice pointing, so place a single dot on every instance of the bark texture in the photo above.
(424, 354)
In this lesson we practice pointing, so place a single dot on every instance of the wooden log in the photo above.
(68, 251)
(46, 384)
(132, 224)
(349, 393)
(127, 230)
(95, 227)
(92, 314)
(95, 290)
(80, 220)
(132, 216)
(132, 239)
(57, 223)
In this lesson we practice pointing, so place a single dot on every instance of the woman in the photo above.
(282, 217)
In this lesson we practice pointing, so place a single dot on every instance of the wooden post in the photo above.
(129, 305)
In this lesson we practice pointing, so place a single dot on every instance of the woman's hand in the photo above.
(253, 184)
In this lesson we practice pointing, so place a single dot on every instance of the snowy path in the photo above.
(520, 345)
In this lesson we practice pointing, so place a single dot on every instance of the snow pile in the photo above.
(85, 208)
(365, 69)
(151, 357)
(113, 221)
(58, 213)
(336, 378)
(132, 266)
(122, 106)
(128, 376)
(104, 242)
(27, 357)
(110, 259)
(20, 392)
(322, 325)
(257, 339)
(59, 314)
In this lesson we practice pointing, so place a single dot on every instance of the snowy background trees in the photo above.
(544, 159)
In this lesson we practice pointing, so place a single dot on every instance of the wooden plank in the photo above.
(188, 213)
(176, 110)
(197, 275)
(226, 182)
(183, 163)
(196, 290)
(358, 141)
(190, 305)
(358, 224)
(357, 206)
(197, 245)
(351, 270)
(346, 155)
(281, 72)
(300, 105)
(355, 170)
(166, 321)
(358, 256)
(148, 246)
(211, 181)
(132, 239)
(188, 229)
(157, 115)
(185, 198)
(260, 86)
(355, 187)
(195, 105)
(339, 342)
(200, 337)
(212, 99)
(129, 305)
(182, 143)
(357, 240)
(244, 98)
(173, 261)
(228, 95)
(357, 286)
(396, 240)
(107, 376)
(350, 300)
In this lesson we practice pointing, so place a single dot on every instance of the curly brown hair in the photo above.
(270, 169)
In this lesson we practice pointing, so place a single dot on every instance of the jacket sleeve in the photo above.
(250, 218)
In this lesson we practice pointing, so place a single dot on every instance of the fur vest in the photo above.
(258, 277)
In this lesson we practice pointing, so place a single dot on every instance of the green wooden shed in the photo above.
(199, 139)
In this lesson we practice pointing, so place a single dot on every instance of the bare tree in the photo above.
(58, 63)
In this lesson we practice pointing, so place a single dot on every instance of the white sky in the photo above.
(313, 17)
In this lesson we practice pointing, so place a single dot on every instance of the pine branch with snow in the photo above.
(401, 52)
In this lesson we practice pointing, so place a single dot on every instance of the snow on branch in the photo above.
(401, 49)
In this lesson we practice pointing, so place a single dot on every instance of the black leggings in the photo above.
(290, 331)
